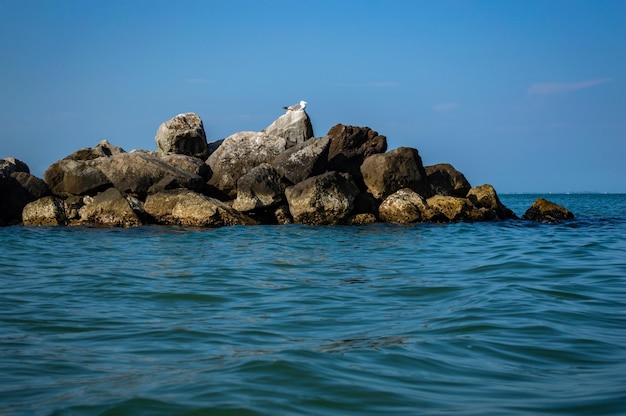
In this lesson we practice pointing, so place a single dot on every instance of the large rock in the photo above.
(191, 164)
(184, 135)
(303, 160)
(322, 200)
(10, 165)
(444, 179)
(350, 145)
(261, 188)
(386, 173)
(405, 206)
(102, 149)
(17, 188)
(109, 208)
(137, 173)
(143, 173)
(485, 198)
(452, 209)
(238, 154)
(46, 211)
(294, 126)
(547, 212)
(188, 208)
(76, 177)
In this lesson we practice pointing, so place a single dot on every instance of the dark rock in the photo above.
(109, 208)
(76, 177)
(191, 164)
(452, 209)
(102, 149)
(10, 165)
(17, 188)
(361, 219)
(140, 174)
(444, 179)
(386, 173)
(547, 212)
(46, 211)
(303, 160)
(184, 135)
(322, 200)
(262, 187)
(350, 145)
(188, 208)
(294, 126)
(485, 198)
(238, 154)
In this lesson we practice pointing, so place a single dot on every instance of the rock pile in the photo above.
(277, 176)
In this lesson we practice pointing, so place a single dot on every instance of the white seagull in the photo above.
(296, 107)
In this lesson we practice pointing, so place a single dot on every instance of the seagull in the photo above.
(296, 107)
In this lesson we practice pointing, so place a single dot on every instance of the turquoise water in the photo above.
(512, 318)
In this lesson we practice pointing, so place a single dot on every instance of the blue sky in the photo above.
(529, 96)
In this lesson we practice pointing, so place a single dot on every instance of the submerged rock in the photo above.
(547, 212)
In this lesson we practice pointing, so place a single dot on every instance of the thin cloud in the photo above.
(442, 107)
(384, 84)
(561, 87)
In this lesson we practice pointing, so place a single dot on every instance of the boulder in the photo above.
(184, 135)
(191, 164)
(188, 208)
(142, 173)
(261, 188)
(76, 177)
(350, 145)
(238, 154)
(361, 219)
(444, 179)
(102, 149)
(17, 188)
(282, 215)
(485, 198)
(547, 212)
(405, 206)
(46, 211)
(303, 160)
(386, 173)
(109, 208)
(294, 126)
(137, 173)
(10, 165)
(322, 200)
(452, 209)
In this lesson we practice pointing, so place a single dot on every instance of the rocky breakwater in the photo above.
(280, 175)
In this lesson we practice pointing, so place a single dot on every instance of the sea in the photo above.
(492, 318)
